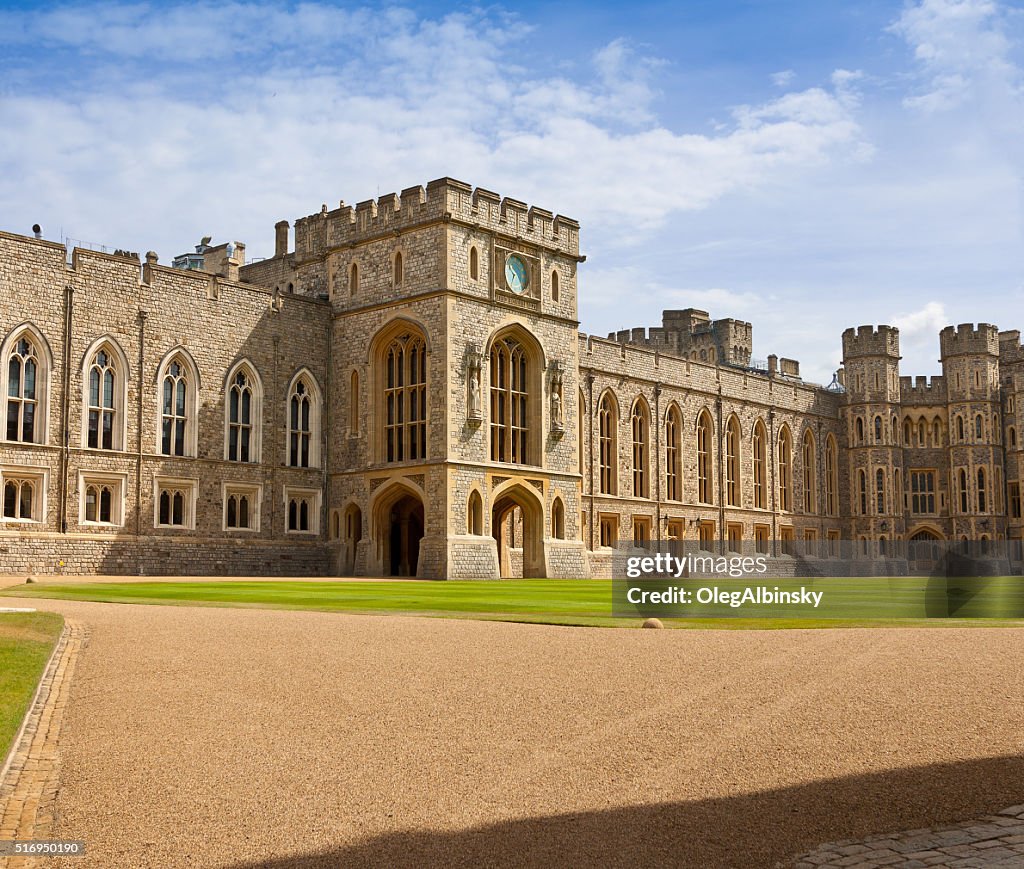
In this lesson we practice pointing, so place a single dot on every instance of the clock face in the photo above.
(516, 275)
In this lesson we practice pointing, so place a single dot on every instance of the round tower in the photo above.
(871, 359)
(970, 364)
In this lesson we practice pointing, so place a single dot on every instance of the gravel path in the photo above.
(233, 737)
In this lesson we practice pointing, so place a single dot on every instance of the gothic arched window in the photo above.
(760, 442)
(786, 469)
(510, 402)
(608, 421)
(27, 375)
(641, 436)
(673, 454)
(705, 480)
(405, 398)
(244, 412)
(732, 463)
(303, 424)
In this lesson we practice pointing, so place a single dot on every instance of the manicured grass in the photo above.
(26, 641)
(568, 602)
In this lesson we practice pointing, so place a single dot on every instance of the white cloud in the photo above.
(783, 78)
(926, 321)
(960, 45)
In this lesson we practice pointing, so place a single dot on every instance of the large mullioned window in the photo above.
(760, 442)
(241, 417)
(641, 435)
(810, 475)
(405, 399)
(300, 425)
(673, 454)
(705, 481)
(103, 409)
(732, 463)
(174, 413)
(510, 402)
(608, 420)
(785, 470)
(23, 396)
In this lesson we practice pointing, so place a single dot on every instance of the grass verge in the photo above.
(26, 641)
(569, 602)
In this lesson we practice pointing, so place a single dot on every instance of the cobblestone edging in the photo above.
(995, 842)
(28, 787)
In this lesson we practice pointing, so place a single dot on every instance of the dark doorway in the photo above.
(405, 531)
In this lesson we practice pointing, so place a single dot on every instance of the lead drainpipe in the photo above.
(657, 461)
(590, 448)
(721, 473)
(65, 422)
(139, 388)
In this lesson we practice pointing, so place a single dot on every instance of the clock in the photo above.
(517, 276)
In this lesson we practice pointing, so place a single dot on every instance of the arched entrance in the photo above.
(517, 523)
(924, 549)
(353, 533)
(398, 530)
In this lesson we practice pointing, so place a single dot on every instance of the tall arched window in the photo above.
(922, 429)
(474, 264)
(982, 503)
(831, 475)
(978, 427)
(554, 285)
(510, 402)
(558, 520)
(705, 480)
(810, 475)
(732, 462)
(880, 492)
(608, 420)
(398, 271)
(859, 431)
(174, 409)
(906, 432)
(785, 469)
(937, 433)
(353, 279)
(27, 371)
(673, 454)
(244, 412)
(106, 402)
(760, 451)
(959, 428)
(641, 436)
(878, 429)
(963, 491)
(862, 486)
(303, 423)
(405, 398)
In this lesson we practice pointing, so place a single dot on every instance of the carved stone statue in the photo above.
(474, 392)
(556, 408)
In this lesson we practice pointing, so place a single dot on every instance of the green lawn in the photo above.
(568, 602)
(26, 641)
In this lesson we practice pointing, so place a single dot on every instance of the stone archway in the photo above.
(925, 551)
(517, 524)
(398, 530)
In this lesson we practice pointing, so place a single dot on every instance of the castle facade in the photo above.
(402, 390)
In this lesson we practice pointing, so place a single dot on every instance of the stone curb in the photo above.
(29, 779)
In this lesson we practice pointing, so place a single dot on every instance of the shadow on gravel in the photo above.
(758, 830)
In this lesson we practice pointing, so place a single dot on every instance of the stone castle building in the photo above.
(403, 390)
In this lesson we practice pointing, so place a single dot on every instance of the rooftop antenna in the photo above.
(37, 230)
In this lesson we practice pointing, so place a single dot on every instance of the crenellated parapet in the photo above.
(922, 390)
(966, 339)
(444, 199)
(693, 333)
(871, 341)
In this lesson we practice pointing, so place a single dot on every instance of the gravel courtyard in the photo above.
(235, 737)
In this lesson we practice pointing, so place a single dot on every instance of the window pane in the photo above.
(10, 499)
(108, 389)
(30, 379)
(304, 515)
(243, 512)
(165, 508)
(106, 497)
(168, 389)
(94, 428)
(293, 520)
(181, 398)
(14, 377)
(246, 406)
(12, 420)
(232, 512)
(165, 446)
(179, 438)
(179, 509)
(27, 490)
(90, 504)
(233, 405)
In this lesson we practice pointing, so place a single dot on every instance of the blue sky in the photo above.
(806, 166)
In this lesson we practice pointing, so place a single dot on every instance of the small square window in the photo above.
(101, 499)
(242, 507)
(302, 510)
(174, 503)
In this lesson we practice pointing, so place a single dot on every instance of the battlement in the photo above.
(694, 334)
(871, 341)
(966, 339)
(444, 199)
(923, 390)
(1010, 349)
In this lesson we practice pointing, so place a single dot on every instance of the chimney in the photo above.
(281, 238)
(841, 376)
(773, 365)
